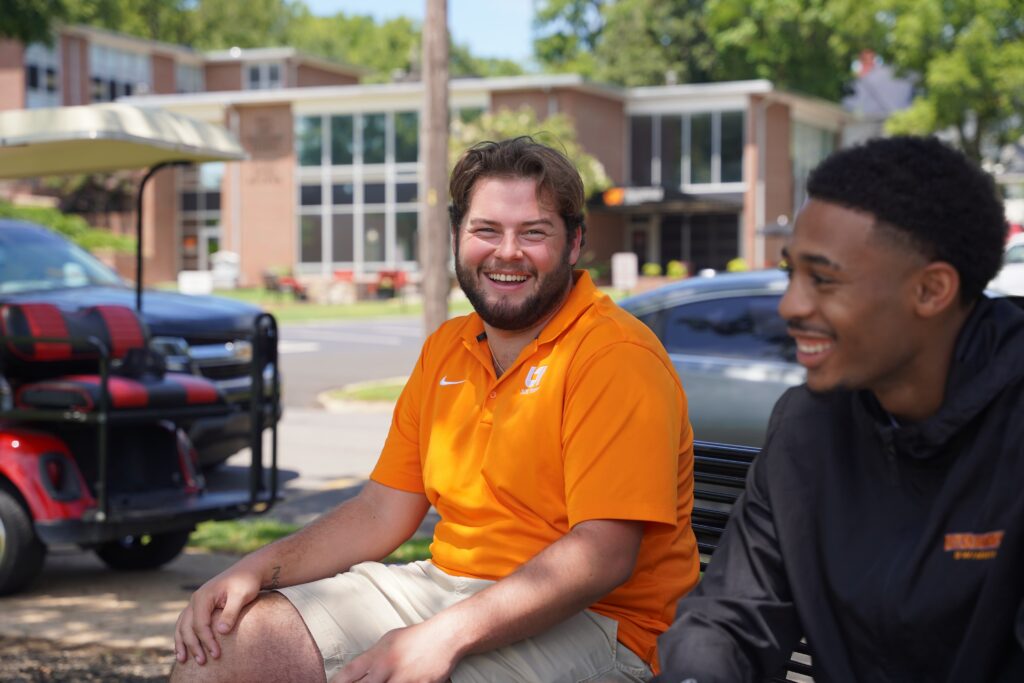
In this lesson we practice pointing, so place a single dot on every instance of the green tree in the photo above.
(31, 21)
(802, 45)
(556, 130)
(568, 34)
(969, 57)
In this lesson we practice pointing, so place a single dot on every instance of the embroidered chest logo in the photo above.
(973, 546)
(533, 378)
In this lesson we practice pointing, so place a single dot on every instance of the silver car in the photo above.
(729, 346)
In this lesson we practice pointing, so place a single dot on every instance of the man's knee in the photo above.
(269, 642)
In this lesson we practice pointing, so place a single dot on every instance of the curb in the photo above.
(337, 405)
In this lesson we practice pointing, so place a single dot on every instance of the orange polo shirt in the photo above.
(588, 423)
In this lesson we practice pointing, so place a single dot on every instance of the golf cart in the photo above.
(95, 413)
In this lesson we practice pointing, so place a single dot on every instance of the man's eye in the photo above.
(820, 280)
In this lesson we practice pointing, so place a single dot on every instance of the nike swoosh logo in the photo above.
(446, 383)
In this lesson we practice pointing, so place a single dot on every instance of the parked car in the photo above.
(729, 346)
(1010, 279)
(201, 335)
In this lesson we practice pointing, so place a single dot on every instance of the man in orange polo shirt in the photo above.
(549, 431)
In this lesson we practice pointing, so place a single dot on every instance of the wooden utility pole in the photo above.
(434, 229)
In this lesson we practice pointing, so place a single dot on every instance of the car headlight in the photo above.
(175, 351)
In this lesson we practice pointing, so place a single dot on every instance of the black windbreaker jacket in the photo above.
(897, 551)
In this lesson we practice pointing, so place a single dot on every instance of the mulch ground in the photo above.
(32, 660)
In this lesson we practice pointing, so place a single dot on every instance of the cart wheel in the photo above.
(143, 552)
(21, 551)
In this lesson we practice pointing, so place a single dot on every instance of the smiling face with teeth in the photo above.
(867, 309)
(513, 257)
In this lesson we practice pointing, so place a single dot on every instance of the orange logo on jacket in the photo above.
(966, 546)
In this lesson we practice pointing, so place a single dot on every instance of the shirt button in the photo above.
(494, 394)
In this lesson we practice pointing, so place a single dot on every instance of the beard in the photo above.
(505, 315)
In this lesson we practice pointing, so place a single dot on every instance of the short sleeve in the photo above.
(399, 465)
(625, 426)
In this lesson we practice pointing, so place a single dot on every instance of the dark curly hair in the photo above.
(521, 157)
(943, 204)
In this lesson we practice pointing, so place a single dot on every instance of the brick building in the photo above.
(703, 173)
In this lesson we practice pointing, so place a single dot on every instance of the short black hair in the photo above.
(928, 192)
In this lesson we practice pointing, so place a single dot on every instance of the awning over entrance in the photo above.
(663, 200)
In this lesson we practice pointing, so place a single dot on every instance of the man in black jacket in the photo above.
(884, 518)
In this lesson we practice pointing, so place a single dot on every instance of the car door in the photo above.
(735, 360)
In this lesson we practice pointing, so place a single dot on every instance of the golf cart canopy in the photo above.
(106, 137)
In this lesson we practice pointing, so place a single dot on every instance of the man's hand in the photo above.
(414, 654)
(229, 591)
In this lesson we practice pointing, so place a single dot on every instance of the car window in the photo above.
(34, 263)
(1014, 254)
(734, 327)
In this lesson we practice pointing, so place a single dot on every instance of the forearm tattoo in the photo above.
(275, 579)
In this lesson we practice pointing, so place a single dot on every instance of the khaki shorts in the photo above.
(348, 613)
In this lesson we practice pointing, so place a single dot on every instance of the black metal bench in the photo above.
(719, 476)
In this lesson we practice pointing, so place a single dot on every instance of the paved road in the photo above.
(320, 356)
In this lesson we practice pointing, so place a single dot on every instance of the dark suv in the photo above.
(203, 335)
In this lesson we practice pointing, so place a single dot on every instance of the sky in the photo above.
(491, 28)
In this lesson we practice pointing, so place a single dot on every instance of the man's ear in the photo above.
(577, 244)
(937, 288)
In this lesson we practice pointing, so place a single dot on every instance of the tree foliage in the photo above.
(384, 49)
(969, 58)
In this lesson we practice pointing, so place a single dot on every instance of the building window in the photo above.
(263, 75)
(810, 144)
(309, 140)
(199, 190)
(364, 196)
(407, 136)
(42, 85)
(118, 73)
(188, 78)
(674, 150)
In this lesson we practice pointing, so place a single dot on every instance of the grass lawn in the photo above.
(385, 390)
(238, 537)
(288, 310)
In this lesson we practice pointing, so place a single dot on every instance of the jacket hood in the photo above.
(988, 358)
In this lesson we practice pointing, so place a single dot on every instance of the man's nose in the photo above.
(794, 304)
(508, 248)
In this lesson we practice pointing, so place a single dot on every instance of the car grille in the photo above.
(225, 371)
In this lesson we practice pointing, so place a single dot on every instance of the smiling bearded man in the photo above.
(548, 430)
(883, 520)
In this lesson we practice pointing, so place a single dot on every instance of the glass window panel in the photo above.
(373, 138)
(671, 151)
(254, 77)
(311, 239)
(406, 235)
(373, 237)
(747, 328)
(274, 74)
(210, 175)
(342, 193)
(700, 148)
(189, 201)
(308, 142)
(406, 136)
(51, 80)
(342, 234)
(212, 201)
(33, 76)
(111, 91)
(373, 193)
(342, 143)
(310, 195)
(406, 192)
(732, 146)
(640, 150)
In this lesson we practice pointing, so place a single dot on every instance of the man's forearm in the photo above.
(567, 577)
(366, 527)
